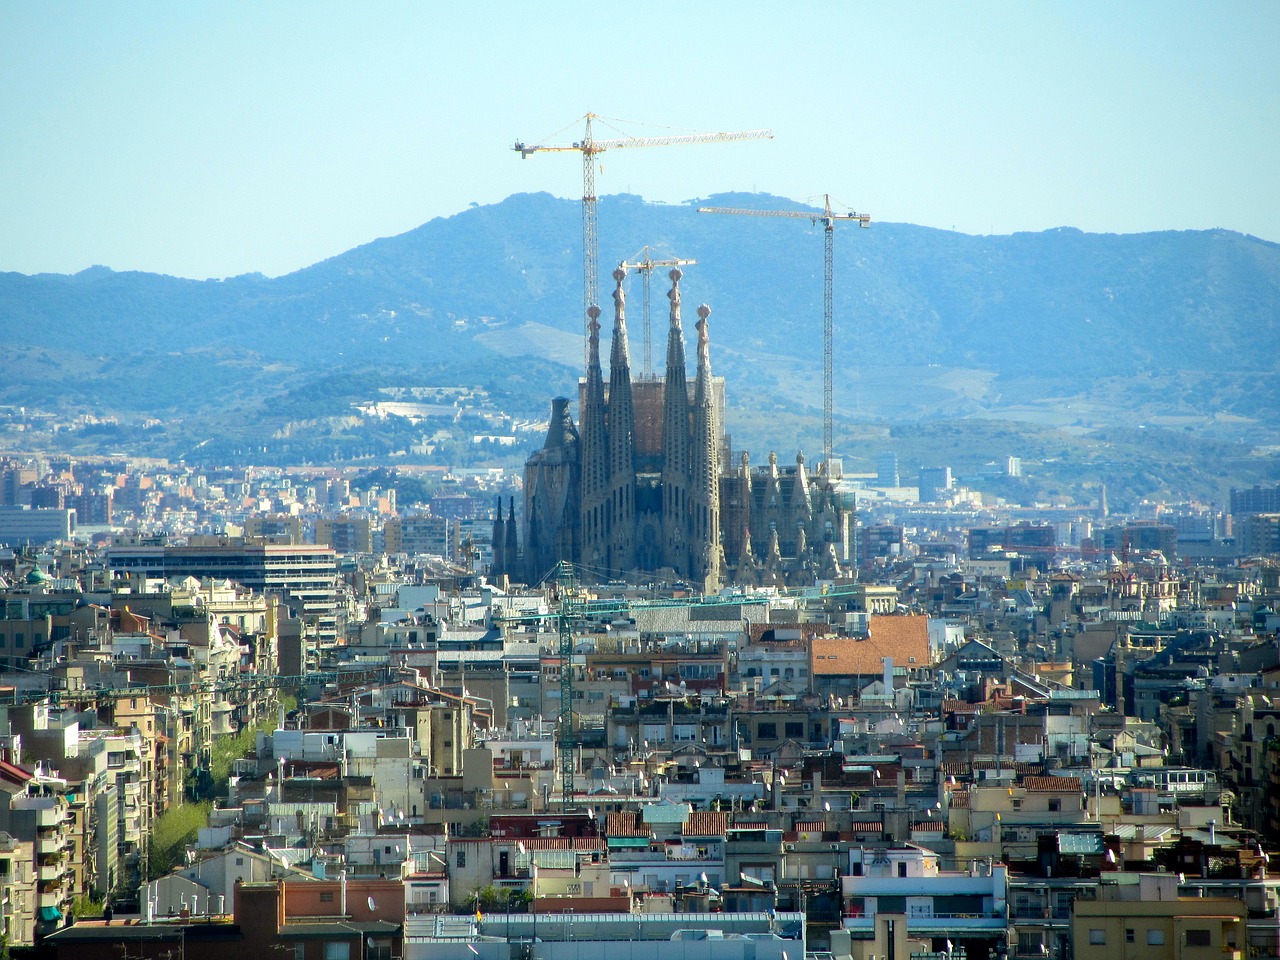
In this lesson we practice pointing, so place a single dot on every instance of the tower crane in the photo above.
(828, 220)
(590, 147)
(644, 264)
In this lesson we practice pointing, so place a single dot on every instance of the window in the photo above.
(795, 730)
(461, 860)
(326, 896)
(902, 869)
(767, 731)
(1055, 806)
(1128, 935)
(1199, 938)
(337, 951)
(1098, 938)
(1155, 938)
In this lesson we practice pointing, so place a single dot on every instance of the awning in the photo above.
(620, 842)
(50, 914)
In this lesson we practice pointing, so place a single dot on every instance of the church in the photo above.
(643, 488)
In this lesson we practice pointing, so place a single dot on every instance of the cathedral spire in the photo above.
(675, 442)
(595, 476)
(511, 549)
(498, 540)
(621, 438)
(705, 472)
(801, 507)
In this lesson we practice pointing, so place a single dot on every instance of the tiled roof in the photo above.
(960, 799)
(905, 639)
(1052, 784)
(624, 824)
(812, 826)
(867, 826)
(706, 823)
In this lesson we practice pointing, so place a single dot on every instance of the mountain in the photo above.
(1173, 330)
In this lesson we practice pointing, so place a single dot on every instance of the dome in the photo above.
(37, 576)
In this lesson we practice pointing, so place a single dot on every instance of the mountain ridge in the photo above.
(1061, 327)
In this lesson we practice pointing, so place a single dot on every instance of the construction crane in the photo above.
(590, 147)
(828, 220)
(644, 264)
(574, 607)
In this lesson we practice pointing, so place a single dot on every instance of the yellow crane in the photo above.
(644, 264)
(828, 220)
(590, 148)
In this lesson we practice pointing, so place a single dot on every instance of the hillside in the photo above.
(1059, 330)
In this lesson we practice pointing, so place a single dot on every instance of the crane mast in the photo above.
(644, 264)
(828, 220)
(590, 147)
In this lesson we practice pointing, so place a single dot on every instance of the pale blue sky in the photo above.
(210, 139)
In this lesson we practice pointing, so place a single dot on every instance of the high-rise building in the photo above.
(887, 470)
(642, 483)
(934, 481)
(1257, 499)
(306, 576)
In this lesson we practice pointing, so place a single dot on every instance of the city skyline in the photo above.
(207, 141)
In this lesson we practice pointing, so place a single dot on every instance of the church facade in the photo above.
(641, 485)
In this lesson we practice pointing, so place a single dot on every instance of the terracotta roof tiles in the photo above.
(1052, 784)
(904, 638)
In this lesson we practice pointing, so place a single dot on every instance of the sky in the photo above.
(213, 139)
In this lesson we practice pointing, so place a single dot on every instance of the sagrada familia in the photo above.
(642, 486)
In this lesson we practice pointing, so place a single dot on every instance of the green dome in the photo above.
(37, 576)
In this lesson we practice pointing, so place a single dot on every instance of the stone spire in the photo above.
(621, 438)
(675, 441)
(801, 507)
(552, 498)
(595, 453)
(511, 549)
(705, 466)
(498, 540)
(747, 574)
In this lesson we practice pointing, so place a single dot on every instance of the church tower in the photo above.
(595, 454)
(675, 442)
(552, 505)
(620, 428)
(704, 475)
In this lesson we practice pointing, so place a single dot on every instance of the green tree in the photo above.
(170, 834)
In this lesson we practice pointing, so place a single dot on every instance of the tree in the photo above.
(170, 834)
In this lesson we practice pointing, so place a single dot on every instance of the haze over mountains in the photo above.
(1085, 331)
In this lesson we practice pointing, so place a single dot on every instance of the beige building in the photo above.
(1143, 918)
(17, 891)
